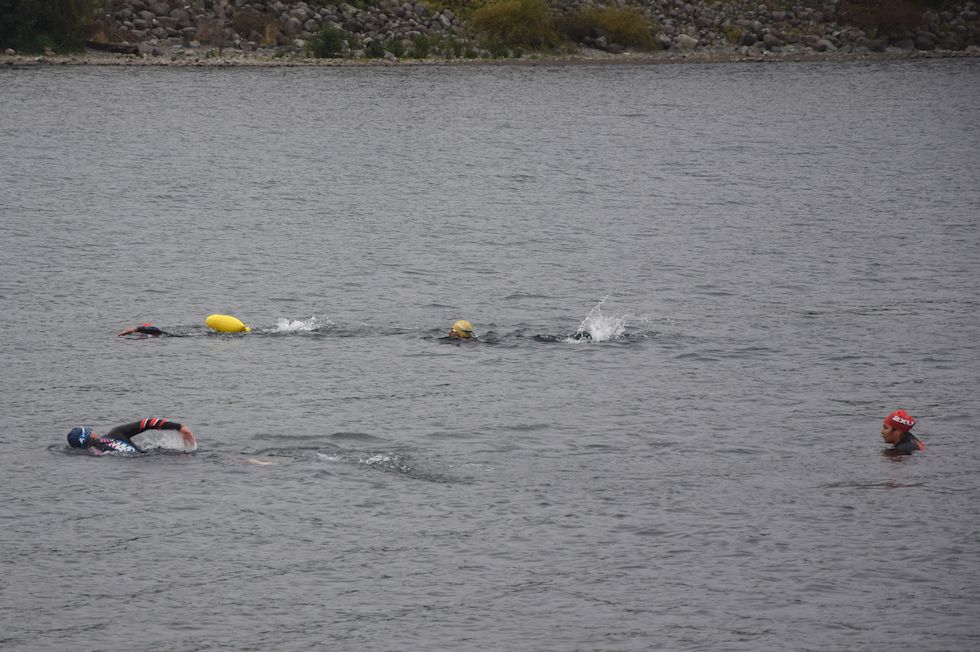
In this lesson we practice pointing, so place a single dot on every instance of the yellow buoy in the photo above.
(226, 324)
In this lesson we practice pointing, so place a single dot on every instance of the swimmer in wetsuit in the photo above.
(118, 439)
(145, 329)
(897, 431)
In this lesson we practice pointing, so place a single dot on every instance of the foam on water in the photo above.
(166, 440)
(389, 462)
(286, 325)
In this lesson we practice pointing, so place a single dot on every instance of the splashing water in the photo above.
(166, 440)
(285, 325)
(597, 327)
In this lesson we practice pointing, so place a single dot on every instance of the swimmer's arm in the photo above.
(128, 430)
(127, 331)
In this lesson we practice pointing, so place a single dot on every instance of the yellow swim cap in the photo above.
(462, 328)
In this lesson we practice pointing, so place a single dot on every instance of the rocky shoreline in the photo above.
(278, 33)
(191, 58)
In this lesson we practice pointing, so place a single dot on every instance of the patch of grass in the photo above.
(516, 23)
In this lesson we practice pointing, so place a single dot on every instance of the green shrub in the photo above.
(421, 47)
(375, 49)
(396, 47)
(516, 23)
(496, 48)
(328, 43)
(579, 25)
(448, 46)
(36, 24)
(627, 26)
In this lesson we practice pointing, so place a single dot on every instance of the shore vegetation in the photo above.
(627, 26)
(516, 24)
(36, 25)
(329, 43)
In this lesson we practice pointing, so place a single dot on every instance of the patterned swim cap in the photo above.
(900, 419)
(78, 436)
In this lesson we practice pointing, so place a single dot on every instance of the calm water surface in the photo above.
(770, 258)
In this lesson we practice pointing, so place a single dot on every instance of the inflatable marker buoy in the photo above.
(226, 324)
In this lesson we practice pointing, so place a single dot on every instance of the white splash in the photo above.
(597, 327)
(286, 325)
(167, 440)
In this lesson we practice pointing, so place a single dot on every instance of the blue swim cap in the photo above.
(78, 436)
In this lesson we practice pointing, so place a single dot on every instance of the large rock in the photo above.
(685, 42)
(772, 41)
(924, 41)
(293, 26)
(182, 16)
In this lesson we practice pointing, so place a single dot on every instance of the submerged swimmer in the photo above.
(119, 438)
(462, 330)
(145, 329)
(897, 431)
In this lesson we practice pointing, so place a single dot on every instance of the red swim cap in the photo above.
(900, 419)
(147, 324)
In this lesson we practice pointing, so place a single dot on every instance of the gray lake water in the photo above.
(769, 258)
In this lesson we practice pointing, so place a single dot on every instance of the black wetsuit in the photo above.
(150, 330)
(118, 439)
(908, 444)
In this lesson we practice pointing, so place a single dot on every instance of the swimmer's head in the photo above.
(462, 329)
(901, 420)
(895, 426)
(147, 325)
(78, 437)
